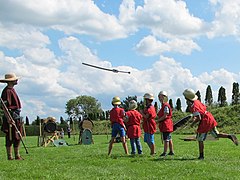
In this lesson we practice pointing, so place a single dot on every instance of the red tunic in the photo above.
(149, 124)
(13, 103)
(10, 95)
(167, 124)
(133, 124)
(207, 122)
(116, 115)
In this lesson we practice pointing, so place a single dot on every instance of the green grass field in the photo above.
(222, 161)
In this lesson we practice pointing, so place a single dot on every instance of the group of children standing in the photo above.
(129, 123)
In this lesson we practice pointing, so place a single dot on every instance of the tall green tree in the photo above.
(81, 105)
(199, 95)
(208, 96)
(27, 121)
(70, 120)
(178, 105)
(222, 99)
(170, 103)
(235, 94)
(107, 114)
(62, 120)
(37, 121)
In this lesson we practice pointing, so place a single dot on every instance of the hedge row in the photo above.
(228, 119)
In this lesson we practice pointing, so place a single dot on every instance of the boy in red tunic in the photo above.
(118, 127)
(10, 97)
(165, 123)
(149, 124)
(207, 123)
(133, 120)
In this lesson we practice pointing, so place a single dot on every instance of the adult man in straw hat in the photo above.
(118, 126)
(149, 124)
(133, 120)
(12, 101)
(207, 123)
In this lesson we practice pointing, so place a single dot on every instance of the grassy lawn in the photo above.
(222, 161)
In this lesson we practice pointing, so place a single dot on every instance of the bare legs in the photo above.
(152, 148)
(201, 149)
(232, 137)
(171, 146)
(165, 148)
(124, 144)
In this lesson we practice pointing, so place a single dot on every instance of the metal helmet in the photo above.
(165, 96)
(164, 93)
(133, 105)
(148, 96)
(116, 100)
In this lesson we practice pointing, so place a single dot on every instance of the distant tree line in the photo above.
(95, 112)
(87, 106)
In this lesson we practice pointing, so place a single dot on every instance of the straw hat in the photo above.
(148, 96)
(116, 100)
(9, 77)
(190, 94)
(133, 105)
(51, 119)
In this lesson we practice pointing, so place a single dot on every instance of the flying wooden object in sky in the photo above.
(106, 69)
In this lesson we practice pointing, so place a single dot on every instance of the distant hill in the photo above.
(228, 119)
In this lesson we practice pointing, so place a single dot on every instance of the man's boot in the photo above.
(17, 155)
(9, 153)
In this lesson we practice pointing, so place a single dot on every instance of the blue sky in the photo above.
(167, 45)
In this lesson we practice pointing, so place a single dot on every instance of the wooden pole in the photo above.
(24, 131)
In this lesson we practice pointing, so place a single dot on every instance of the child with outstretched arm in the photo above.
(205, 120)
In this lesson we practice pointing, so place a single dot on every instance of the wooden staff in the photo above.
(40, 128)
(12, 122)
(24, 131)
(107, 128)
(40, 134)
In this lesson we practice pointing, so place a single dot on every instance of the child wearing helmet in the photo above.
(165, 123)
(207, 123)
(133, 120)
(118, 126)
(149, 124)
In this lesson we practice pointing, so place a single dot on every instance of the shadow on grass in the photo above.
(132, 158)
(116, 156)
(175, 159)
